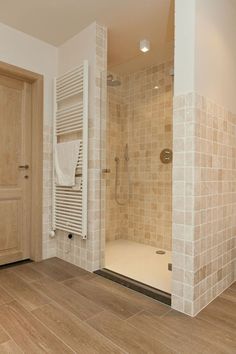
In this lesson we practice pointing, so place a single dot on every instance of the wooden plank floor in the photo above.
(55, 307)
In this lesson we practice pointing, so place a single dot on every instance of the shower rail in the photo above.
(69, 204)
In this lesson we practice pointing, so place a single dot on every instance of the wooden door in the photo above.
(15, 176)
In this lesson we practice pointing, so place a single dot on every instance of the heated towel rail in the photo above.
(71, 122)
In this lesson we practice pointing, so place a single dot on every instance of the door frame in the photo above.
(36, 81)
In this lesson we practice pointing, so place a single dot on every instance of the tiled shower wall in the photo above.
(140, 116)
(204, 202)
(114, 137)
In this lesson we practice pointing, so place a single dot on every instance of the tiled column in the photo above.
(204, 187)
(183, 203)
(49, 244)
(86, 253)
(95, 205)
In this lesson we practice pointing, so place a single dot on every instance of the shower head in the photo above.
(112, 82)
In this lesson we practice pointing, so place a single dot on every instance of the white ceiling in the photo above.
(128, 21)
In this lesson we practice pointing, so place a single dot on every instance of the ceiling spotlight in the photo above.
(144, 45)
(156, 87)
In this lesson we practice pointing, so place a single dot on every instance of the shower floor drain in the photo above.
(160, 252)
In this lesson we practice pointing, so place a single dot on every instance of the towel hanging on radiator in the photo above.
(66, 159)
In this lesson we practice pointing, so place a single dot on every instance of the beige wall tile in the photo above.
(207, 198)
(140, 116)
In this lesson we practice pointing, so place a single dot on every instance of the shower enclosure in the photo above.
(137, 178)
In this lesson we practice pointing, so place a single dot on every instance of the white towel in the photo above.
(66, 159)
(78, 184)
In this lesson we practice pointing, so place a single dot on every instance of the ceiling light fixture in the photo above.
(144, 45)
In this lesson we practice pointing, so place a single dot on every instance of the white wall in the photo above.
(74, 51)
(205, 50)
(78, 48)
(24, 51)
(184, 46)
(215, 54)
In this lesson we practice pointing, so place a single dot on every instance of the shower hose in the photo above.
(117, 160)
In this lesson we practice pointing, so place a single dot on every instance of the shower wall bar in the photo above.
(71, 122)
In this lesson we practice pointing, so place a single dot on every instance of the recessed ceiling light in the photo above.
(156, 87)
(144, 45)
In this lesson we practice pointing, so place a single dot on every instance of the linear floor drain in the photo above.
(160, 252)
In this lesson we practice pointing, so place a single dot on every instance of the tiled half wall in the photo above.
(204, 202)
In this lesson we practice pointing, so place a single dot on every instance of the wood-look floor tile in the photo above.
(75, 333)
(127, 336)
(4, 296)
(10, 347)
(27, 273)
(61, 297)
(140, 300)
(222, 313)
(229, 295)
(233, 286)
(199, 330)
(104, 298)
(22, 291)
(3, 336)
(67, 298)
(184, 334)
(73, 270)
(28, 333)
(51, 270)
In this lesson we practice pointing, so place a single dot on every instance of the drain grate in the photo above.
(160, 252)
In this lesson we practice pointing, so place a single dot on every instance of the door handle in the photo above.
(23, 167)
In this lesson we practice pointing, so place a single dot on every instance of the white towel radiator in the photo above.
(71, 122)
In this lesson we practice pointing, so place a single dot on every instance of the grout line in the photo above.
(135, 314)
(108, 291)
(95, 315)
(50, 277)
(166, 313)
(53, 333)
(27, 280)
(40, 306)
(9, 294)
(10, 337)
(215, 325)
(70, 278)
(143, 331)
(18, 347)
(101, 334)
(18, 298)
(157, 338)
(83, 322)
(75, 293)
(70, 290)
(214, 298)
